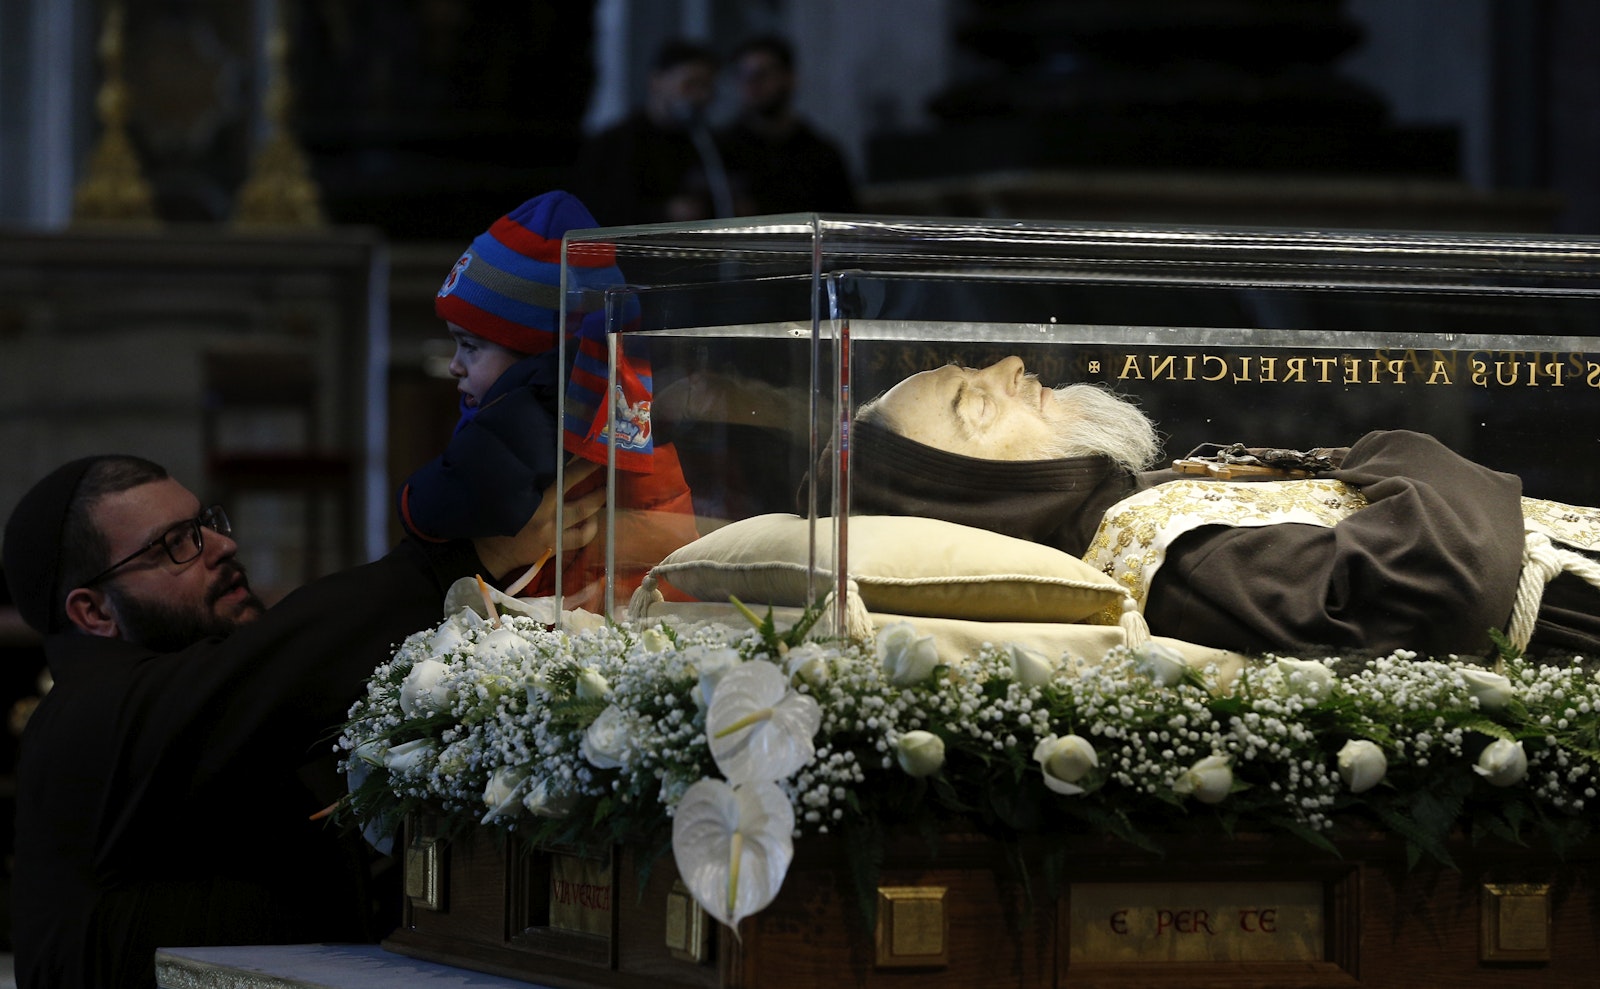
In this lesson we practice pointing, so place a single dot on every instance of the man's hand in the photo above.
(580, 519)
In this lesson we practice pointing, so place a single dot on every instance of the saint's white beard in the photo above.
(1089, 420)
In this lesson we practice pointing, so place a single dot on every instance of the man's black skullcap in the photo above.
(32, 553)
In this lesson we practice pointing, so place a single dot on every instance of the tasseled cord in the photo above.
(645, 597)
(1542, 562)
(1134, 628)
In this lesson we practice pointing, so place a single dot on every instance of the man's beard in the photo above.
(159, 625)
(1087, 420)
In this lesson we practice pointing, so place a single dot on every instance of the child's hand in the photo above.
(502, 554)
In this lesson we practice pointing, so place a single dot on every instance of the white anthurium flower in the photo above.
(1208, 781)
(1306, 678)
(410, 758)
(1030, 668)
(605, 741)
(920, 753)
(908, 658)
(1065, 761)
(1492, 690)
(1502, 763)
(1161, 663)
(502, 794)
(758, 727)
(1362, 765)
(591, 686)
(422, 692)
(711, 664)
(733, 846)
(809, 662)
(542, 801)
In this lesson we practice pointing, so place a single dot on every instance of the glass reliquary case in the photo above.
(1356, 367)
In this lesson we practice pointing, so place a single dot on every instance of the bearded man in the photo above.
(166, 783)
(1398, 543)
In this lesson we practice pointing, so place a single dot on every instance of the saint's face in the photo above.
(997, 413)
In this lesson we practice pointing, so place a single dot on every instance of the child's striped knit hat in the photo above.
(506, 287)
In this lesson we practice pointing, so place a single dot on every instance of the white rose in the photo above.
(1306, 678)
(500, 795)
(501, 645)
(1065, 761)
(1208, 780)
(446, 639)
(409, 758)
(1492, 690)
(591, 686)
(605, 740)
(920, 753)
(809, 662)
(1502, 763)
(421, 692)
(712, 664)
(1160, 663)
(1029, 668)
(653, 639)
(541, 802)
(1362, 765)
(371, 752)
(907, 657)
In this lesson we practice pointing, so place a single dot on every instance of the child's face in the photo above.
(477, 364)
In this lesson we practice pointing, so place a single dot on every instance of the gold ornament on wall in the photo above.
(114, 190)
(279, 190)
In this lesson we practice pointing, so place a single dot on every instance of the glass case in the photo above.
(758, 341)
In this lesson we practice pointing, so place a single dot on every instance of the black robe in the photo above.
(163, 799)
(1430, 565)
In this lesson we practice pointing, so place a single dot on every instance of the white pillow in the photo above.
(903, 565)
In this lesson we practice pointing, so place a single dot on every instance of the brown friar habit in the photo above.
(1430, 565)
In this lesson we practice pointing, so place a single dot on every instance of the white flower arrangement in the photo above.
(752, 739)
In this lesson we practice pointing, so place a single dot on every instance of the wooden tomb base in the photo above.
(1250, 912)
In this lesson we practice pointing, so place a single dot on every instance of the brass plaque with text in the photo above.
(1197, 922)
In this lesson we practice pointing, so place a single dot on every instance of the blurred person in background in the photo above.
(776, 161)
(660, 163)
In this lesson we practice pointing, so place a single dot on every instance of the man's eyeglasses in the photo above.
(182, 542)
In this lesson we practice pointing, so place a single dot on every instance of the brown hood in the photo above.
(1055, 502)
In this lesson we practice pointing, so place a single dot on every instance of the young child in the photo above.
(501, 303)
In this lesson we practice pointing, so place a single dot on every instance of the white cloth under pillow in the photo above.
(903, 565)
